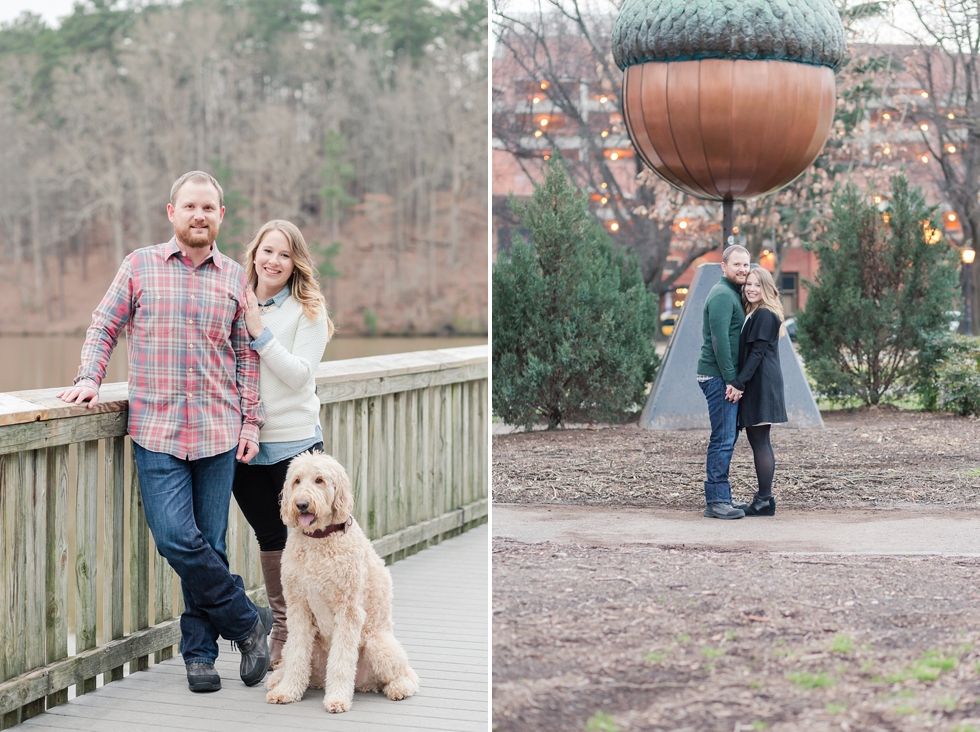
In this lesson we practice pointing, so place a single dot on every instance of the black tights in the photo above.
(257, 489)
(765, 460)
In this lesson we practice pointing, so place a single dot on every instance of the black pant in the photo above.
(257, 489)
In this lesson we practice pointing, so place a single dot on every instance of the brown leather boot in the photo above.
(273, 589)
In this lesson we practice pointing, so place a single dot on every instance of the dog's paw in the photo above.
(402, 688)
(272, 681)
(335, 706)
(281, 696)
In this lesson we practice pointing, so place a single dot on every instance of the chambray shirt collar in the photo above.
(173, 250)
(279, 298)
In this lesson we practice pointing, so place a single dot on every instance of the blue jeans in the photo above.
(723, 415)
(186, 504)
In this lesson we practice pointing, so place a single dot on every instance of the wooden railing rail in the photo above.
(76, 554)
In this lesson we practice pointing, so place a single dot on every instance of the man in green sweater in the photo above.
(717, 369)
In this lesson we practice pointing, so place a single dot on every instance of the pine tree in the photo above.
(886, 283)
(573, 323)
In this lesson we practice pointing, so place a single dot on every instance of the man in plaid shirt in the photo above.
(193, 409)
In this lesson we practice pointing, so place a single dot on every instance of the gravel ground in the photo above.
(674, 638)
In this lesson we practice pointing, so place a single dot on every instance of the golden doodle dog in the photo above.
(338, 596)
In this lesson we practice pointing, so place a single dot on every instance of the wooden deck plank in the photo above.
(441, 600)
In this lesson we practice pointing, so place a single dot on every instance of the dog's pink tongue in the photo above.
(307, 519)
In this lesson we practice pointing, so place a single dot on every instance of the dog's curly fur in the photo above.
(338, 597)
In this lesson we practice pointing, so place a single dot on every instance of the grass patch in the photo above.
(730, 635)
(835, 708)
(842, 644)
(710, 652)
(683, 638)
(964, 728)
(932, 665)
(811, 681)
(905, 709)
(760, 725)
(654, 657)
(601, 722)
(948, 703)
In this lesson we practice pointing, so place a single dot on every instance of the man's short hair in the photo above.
(196, 176)
(729, 251)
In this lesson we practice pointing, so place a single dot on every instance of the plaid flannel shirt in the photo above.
(193, 379)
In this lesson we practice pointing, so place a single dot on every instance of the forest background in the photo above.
(363, 121)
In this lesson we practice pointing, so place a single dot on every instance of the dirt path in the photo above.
(591, 631)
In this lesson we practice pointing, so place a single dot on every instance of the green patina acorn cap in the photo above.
(804, 31)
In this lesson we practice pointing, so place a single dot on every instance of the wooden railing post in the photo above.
(86, 506)
(56, 574)
(139, 564)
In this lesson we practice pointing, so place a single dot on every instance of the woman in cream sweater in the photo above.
(286, 317)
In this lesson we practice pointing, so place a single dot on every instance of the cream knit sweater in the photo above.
(287, 367)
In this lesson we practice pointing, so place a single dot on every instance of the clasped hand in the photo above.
(732, 394)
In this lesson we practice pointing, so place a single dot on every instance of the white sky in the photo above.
(51, 10)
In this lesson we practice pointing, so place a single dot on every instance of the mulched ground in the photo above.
(864, 458)
(674, 638)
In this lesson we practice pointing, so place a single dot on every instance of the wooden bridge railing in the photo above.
(76, 554)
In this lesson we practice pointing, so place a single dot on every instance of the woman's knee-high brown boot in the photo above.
(273, 589)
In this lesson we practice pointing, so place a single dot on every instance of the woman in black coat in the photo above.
(760, 378)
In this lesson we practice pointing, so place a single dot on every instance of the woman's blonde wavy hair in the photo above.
(302, 283)
(770, 297)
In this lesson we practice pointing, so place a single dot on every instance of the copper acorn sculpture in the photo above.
(728, 99)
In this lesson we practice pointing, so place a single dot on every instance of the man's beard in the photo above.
(194, 240)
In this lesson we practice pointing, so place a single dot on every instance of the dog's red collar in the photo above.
(320, 533)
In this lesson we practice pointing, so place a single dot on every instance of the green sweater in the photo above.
(723, 318)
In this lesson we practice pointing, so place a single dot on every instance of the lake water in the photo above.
(40, 362)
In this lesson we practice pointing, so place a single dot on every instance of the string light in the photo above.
(951, 115)
(603, 200)
(876, 199)
(734, 229)
(886, 116)
(537, 133)
(614, 226)
(924, 95)
(924, 127)
(544, 121)
(544, 85)
(766, 252)
(603, 99)
(614, 156)
(604, 133)
(951, 149)
(535, 100)
(924, 158)
(887, 150)
(951, 216)
(682, 224)
(547, 157)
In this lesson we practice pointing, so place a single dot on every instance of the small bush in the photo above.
(573, 321)
(882, 289)
(956, 379)
(939, 349)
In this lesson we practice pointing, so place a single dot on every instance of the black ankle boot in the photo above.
(761, 506)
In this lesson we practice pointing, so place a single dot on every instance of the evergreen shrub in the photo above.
(882, 290)
(573, 322)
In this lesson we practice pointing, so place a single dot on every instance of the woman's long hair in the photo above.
(770, 297)
(302, 283)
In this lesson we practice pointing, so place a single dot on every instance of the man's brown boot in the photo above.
(273, 589)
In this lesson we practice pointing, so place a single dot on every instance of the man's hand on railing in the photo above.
(79, 394)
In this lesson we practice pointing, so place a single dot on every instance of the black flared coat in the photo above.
(759, 373)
